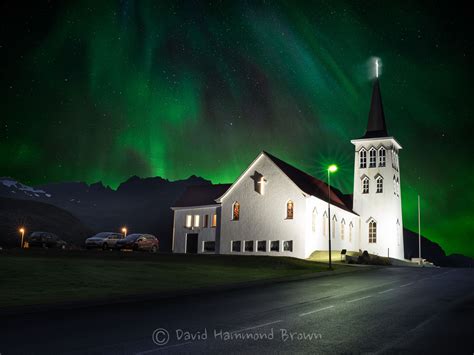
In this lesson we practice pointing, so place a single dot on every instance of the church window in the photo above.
(288, 245)
(372, 158)
(248, 245)
(236, 211)
(325, 224)
(196, 220)
(314, 216)
(363, 159)
(214, 221)
(275, 245)
(206, 221)
(289, 210)
(236, 246)
(372, 231)
(343, 225)
(382, 157)
(365, 185)
(262, 245)
(350, 231)
(333, 227)
(261, 185)
(379, 185)
(189, 221)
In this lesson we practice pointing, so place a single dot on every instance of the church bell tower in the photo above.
(377, 197)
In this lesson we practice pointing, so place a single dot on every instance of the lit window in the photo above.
(289, 210)
(382, 157)
(262, 245)
(313, 220)
(248, 245)
(372, 232)
(274, 245)
(261, 185)
(288, 245)
(209, 246)
(214, 221)
(363, 159)
(189, 220)
(343, 225)
(236, 211)
(365, 185)
(196, 220)
(372, 158)
(206, 221)
(236, 246)
(379, 185)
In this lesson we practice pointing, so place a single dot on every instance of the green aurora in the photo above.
(102, 90)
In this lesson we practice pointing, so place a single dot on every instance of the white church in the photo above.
(276, 209)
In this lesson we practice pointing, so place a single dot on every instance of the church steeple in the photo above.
(376, 126)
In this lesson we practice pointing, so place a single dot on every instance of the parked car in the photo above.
(45, 240)
(139, 241)
(103, 240)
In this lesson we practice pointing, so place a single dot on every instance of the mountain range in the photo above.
(140, 204)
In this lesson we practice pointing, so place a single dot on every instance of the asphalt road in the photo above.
(387, 310)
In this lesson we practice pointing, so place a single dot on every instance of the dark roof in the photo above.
(312, 186)
(201, 195)
(376, 126)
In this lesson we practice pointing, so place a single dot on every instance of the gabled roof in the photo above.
(311, 185)
(201, 195)
(376, 126)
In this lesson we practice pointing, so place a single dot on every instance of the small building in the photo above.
(273, 208)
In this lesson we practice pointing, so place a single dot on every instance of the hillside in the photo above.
(38, 216)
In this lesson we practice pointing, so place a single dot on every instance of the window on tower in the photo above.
(382, 157)
(343, 225)
(289, 210)
(372, 158)
(372, 231)
(365, 185)
(379, 185)
(363, 158)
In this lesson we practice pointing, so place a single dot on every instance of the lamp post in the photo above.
(331, 169)
(124, 231)
(22, 232)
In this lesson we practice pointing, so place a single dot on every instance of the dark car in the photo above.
(45, 240)
(139, 241)
(103, 240)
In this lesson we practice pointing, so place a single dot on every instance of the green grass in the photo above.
(40, 277)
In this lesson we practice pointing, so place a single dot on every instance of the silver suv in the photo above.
(103, 240)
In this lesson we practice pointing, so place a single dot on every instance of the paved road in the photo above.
(387, 310)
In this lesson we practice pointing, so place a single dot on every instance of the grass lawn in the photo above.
(35, 277)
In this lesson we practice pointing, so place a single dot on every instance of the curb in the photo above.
(22, 310)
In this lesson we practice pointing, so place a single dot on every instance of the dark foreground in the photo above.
(387, 310)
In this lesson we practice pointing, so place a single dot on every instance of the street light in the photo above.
(331, 169)
(22, 232)
(124, 231)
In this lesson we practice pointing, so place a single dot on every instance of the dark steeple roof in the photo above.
(376, 126)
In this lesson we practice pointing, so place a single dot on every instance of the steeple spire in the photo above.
(376, 126)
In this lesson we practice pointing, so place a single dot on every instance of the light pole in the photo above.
(124, 231)
(22, 232)
(331, 169)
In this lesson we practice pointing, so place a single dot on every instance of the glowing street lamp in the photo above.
(331, 169)
(22, 232)
(124, 231)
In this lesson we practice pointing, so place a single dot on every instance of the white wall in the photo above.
(384, 208)
(263, 217)
(204, 233)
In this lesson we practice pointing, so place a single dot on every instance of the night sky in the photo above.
(102, 90)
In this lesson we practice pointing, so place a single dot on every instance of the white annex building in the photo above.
(274, 208)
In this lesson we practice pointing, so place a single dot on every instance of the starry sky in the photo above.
(102, 90)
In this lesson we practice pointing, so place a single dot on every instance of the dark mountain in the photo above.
(37, 216)
(432, 251)
(143, 205)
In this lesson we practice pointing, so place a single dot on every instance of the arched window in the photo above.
(365, 185)
(325, 223)
(363, 158)
(351, 225)
(372, 231)
(313, 220)
(379, 185)
(343, 225)
(398, 232)
(333, 227)
(372, 158)
(236, 211)
(289, 209)
(382, 157)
